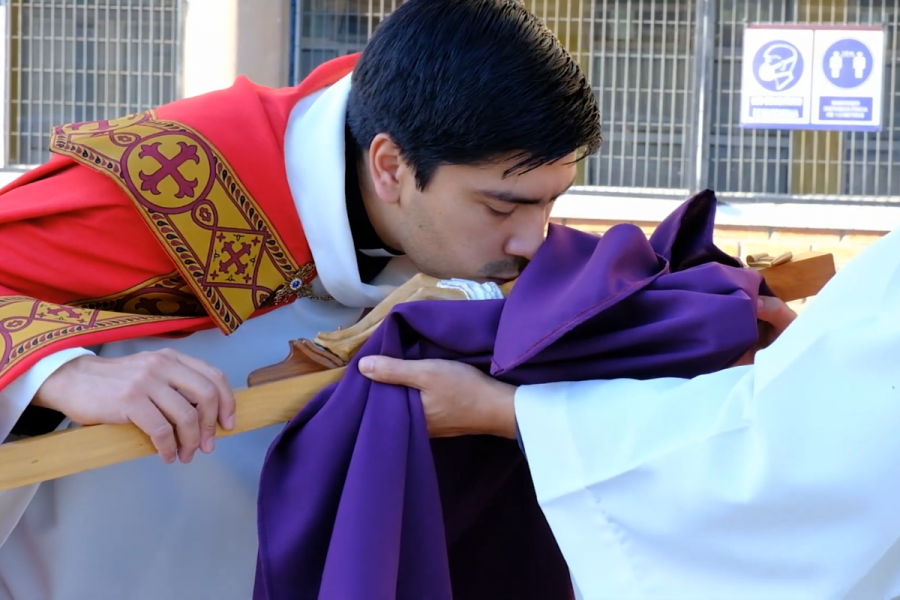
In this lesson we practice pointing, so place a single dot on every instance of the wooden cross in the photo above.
(276, 394)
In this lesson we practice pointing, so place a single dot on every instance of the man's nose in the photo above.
(527, 239)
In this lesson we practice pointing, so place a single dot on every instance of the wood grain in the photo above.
(803, 277)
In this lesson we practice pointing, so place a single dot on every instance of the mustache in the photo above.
(508, 268)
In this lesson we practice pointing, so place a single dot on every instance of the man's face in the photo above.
(474, 223)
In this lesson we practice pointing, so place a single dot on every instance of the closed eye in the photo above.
(498, 213)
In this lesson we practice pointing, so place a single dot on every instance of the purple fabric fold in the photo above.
(356, 502)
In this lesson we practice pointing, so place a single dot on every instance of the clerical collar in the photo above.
(372, 254)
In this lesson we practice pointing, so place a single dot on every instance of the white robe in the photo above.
(144, 530)
(779, 480)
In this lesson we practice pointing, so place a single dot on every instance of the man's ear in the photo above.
(385, 166)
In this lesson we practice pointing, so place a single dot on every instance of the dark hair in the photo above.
(471, 82)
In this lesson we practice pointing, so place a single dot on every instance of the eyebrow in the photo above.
(512, 198)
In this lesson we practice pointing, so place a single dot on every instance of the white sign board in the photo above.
(824, 77)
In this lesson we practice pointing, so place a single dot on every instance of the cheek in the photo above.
(460, 235)
(482, 228)
(490, 239)
(462, 225)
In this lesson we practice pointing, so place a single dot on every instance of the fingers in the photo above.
(225, 395)
(457, 399)
(191, 396)
(775, 312)
(206, 390)
(183, 416)
(411, 373)
(149, 419)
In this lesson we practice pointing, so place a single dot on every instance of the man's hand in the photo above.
(173, 398)
(774, 317)
(458, 399)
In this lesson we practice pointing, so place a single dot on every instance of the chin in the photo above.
(437, 273)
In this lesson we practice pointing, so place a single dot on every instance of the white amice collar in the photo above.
(315, 162)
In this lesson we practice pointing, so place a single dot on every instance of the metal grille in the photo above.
(802, 162)
(667, 76)
(326, 29)
(81, 60)
(637, 54)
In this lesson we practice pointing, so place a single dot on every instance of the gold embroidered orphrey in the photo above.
(163, 295)
(28, 325)
(222, 243)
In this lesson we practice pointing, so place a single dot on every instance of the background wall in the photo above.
(667, 74)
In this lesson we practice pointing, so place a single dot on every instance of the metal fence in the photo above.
(78, 60)
(667, 74)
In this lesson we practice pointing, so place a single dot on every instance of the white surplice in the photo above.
(779, 480)
(144, 530)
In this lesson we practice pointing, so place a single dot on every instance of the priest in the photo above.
(777, 479)
(158, 258)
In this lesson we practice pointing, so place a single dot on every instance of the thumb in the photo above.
(775, 312)
(385, 369)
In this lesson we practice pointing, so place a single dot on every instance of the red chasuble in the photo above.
(164, 222)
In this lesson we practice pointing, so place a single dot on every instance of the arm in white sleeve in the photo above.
(778, 480)
(14, 399)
